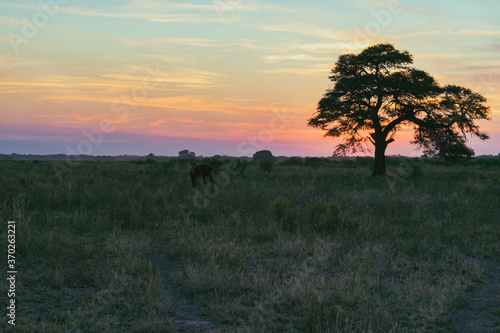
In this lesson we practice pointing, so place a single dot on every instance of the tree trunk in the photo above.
(379, 167)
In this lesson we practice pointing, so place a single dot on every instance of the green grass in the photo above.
(323, 247)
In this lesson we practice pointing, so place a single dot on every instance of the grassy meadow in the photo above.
(320, 246)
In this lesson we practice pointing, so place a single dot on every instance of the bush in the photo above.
(365, 161)
(323, 216)
(487, 161)
(266, 166)
(214, 162)
(236, 167)
(263, 155)
(315, 162)
(293, 161)
(406, 167)
(348, 163)
(284, 213)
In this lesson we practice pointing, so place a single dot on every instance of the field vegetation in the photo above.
(302, 245)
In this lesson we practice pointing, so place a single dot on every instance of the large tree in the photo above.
(377, 92)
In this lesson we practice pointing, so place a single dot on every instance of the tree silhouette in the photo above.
(263, 155)
(186, 154)
(377, 92)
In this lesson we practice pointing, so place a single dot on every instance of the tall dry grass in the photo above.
(315, 247)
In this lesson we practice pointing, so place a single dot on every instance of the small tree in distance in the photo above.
(377, 92)
(263, 155)
(186, 154)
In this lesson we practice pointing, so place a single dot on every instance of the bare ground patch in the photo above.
(481, 312)
(188, 315)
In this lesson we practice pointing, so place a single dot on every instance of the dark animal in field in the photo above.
(201, 170)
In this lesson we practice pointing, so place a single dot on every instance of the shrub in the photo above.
(365, 161)
(315, 162)
(293, 161)
(283, 212)
(323, 216)
(214, 162)
(238, 166)
(348, 163)
(263, 155)
(406, 167)
(266, 166)
(487, 161)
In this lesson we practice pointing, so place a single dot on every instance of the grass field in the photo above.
(315, 247)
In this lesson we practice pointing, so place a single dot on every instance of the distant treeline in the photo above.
(279, 160)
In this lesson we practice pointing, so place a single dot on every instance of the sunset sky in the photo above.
(217, 77)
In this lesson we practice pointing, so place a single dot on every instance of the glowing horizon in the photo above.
(217, 77)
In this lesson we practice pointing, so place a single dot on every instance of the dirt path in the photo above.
(481, 313)
(188, 316)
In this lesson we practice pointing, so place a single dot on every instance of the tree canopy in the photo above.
(378, 91)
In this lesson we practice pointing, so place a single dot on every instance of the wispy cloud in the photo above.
(459, 32)
(79, 119)
(176, 12)
(18, 5)
(370, 4)
(9, 62)
(157, 57)
(112, 84)
(266, 7)
(155, 5)
(304, 28)
(314, 71)
(311, 65)
(185, 102)
(183, 77)
(165, 44)
(147, 16)
(155, 41)
(294, 57)
(7, 21)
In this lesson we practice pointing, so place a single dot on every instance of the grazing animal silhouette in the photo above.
(201, 170)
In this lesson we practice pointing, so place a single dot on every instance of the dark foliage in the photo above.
(263, 155)
(377, 92)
